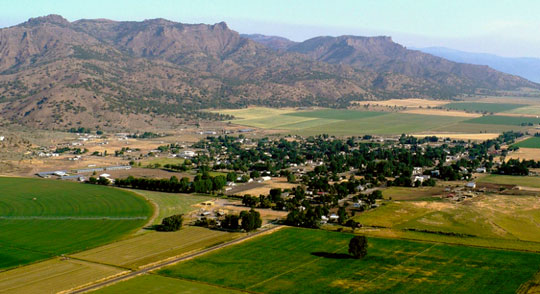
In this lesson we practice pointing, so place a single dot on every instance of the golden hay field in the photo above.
(442, 112)
(413, 102)
(525, 153)
(465, 136)
(268, 185)
(54, 276)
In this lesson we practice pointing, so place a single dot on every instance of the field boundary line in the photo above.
(293, 269)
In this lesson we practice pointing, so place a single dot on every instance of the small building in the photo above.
(266, 178)
(471, 185)
(2, 138)
(481, 170)
(334, 216)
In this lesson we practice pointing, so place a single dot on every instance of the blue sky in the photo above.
(508, 28)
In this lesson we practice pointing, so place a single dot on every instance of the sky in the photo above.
(506, 28)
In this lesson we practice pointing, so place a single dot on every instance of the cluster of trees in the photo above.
(171, 223)
(99, 181)
(514, 167)
(247, 221)
(201, 184)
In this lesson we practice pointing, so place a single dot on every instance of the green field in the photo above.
(482, 107)
(314, 261)
(149, 284)
(504, 120)
(170, 203)
(524, 181)
(337, 114)
(404, 193)
(45, 218)
(533, 142)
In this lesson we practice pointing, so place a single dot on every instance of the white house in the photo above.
(471, 185)
(2, 138)
(266, 178)
(481, 170)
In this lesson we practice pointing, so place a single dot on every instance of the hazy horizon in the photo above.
(497, 27)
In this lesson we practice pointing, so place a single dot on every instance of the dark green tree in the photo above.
(358, 246)
(171, 223)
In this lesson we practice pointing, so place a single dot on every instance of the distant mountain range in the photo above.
(526, 67)
(102, 73)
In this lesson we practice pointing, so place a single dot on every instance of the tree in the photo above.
(251, 220)
(171, 223)
(231, 222)
(291, 178)
(358, 246)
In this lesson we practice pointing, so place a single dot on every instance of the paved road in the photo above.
(166, 263)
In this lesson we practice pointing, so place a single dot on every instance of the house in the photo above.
(435, 173)
(471, 185)
(481, 170)
(266, 178)
(334, 216)
(417, 170)
(2, 138)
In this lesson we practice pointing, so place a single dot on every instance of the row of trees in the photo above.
(200, 184)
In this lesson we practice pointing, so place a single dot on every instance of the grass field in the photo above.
(532, 142)
(523, 181)
(336, 114)
(44, 218)
(148, 248)
(495, 217)
(315, 261)
(482, 107)
(404, 193)
(504, 120)
(169, 203)
(149, 284)
(53, 276)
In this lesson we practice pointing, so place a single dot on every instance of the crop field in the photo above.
(170, 203)
(162, 161)
(410, 102)
(53, 276)
(532, 142)
(155, 246)
(504, 120)
(523, 181)
(464, 136)
(45, 218)
(149, 284)
(343, 122)
(315, 261)
(482, 107)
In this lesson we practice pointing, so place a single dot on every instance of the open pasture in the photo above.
(527, 110)
(482, 107)
(148, 248)
(171, 203)
(464, 136)
(523, 181)
(314, 261)
(44, 218)
(493, 216)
